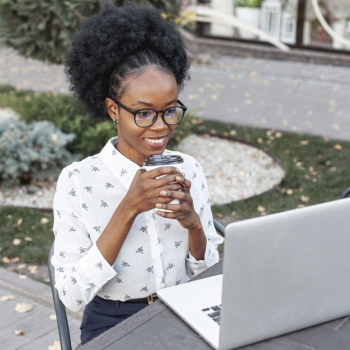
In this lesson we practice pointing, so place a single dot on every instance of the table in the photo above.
(156, 327)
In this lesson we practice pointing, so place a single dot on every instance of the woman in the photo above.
(113, 248)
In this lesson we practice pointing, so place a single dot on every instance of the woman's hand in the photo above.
(144, 191)
(183, 212)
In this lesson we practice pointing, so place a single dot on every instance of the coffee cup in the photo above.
(159, 160)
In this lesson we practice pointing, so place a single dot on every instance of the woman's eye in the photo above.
(144, 115)
(170, 113)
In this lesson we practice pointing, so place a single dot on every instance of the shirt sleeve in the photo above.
(200, 188)
(80, 268)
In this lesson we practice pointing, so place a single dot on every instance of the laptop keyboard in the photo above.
(213, 312)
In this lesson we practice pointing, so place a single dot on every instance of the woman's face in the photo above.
(152, 89)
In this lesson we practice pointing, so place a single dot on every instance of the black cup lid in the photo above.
(159, 159)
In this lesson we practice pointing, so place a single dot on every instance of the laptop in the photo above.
(281, 273)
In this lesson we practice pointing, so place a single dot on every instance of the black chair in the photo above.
(346, 193)
(60, 309)
(220, 228)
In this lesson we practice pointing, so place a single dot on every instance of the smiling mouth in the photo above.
(156, 141)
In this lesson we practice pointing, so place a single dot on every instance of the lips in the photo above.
(156, 142)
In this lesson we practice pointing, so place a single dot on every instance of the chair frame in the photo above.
(346, 193)
(60, 309)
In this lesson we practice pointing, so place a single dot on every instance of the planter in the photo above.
(250, 16)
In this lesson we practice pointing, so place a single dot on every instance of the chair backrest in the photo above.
(60, 309)
(346, 193)
(219, 227)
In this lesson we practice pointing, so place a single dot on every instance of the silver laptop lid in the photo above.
(285, 272)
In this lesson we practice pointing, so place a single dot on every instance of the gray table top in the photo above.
(157, 327)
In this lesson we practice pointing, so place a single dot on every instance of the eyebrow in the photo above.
(150, 104)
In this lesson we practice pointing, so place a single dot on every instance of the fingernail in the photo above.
(178, 178)
(163, 193)
(158, 205)
(183, 174)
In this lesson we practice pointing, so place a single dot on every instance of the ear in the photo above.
(112, 109)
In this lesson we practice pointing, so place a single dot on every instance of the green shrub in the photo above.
(248, 3)
(43, 29)
(32, 151)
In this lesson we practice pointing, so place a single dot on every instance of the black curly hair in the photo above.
(119, 42)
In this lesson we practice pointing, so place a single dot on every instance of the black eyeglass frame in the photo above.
(135, 111)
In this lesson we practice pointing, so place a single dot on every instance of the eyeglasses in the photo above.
(145, 117)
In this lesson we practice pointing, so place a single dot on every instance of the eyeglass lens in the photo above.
(172, 115)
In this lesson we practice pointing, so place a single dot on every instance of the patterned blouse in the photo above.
(155, 253)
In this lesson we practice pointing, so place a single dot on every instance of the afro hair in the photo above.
(115, 43)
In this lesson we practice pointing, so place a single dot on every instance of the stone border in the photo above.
(213, 46)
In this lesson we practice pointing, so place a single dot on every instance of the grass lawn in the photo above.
(317, 171)
(25, 233)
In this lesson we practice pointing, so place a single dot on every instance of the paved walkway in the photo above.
(40, 331)
(291, 96)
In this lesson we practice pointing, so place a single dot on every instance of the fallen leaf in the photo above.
(7, 297)
(33, 269)
(22, 277)
(261, 209)
(333, 168)
(338, 147)
(260, 140)
(21, 266)
(16, 241)
(278, 134)
(55, 346)
(304, 142)
(219, 215)
(326, 139)
(301, 206)
(28, 239)
(23, 307)
(304, 199)
(18, 223)
(233, 132)
(53, 317)
(290, 191)
(44, 220)
(5, 260)
(15, 260)
(19, 332)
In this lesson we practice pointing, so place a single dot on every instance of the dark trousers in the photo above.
(101, 314)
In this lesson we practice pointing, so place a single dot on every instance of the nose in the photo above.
(159, 124)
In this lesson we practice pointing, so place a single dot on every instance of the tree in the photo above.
(43, 29)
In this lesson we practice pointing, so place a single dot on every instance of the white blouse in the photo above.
(155, 253)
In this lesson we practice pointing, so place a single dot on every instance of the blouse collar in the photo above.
(123, 168)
